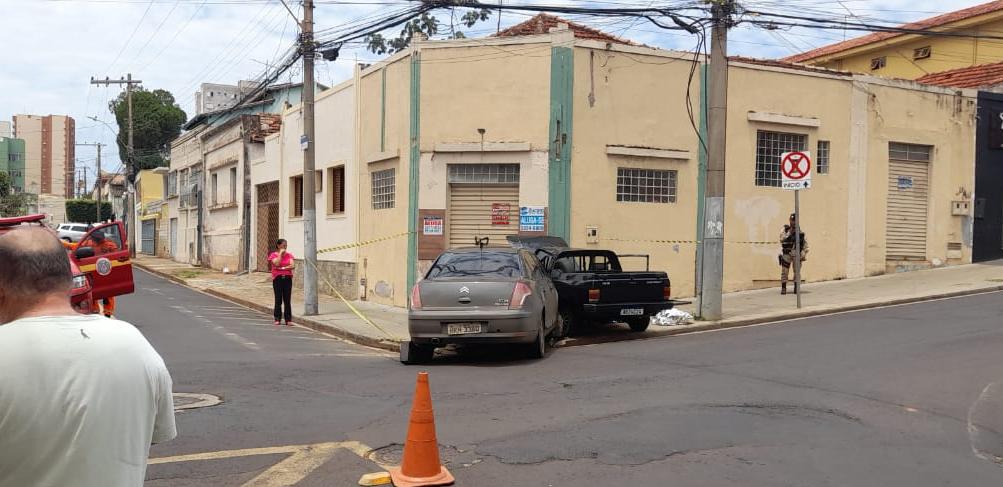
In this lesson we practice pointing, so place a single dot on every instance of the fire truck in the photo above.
(96, 274)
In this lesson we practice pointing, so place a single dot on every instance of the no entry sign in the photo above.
(795, 167)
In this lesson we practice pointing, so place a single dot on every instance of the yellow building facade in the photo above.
(912, 56)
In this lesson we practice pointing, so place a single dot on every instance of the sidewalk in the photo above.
(387, 326)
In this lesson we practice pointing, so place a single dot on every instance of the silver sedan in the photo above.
(483, 296)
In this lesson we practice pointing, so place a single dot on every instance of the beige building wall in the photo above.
(223, 196)
(616, 127)
(266, 168)
(384, 130)
(904, 112)
(186, 160)
(335, 116)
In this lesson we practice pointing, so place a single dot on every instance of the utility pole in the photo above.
(97, 178)
(130, 166)
(712, 281)
(308, 50)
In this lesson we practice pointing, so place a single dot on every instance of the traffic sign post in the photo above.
(796, 170)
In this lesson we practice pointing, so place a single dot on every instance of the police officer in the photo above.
(786, 257)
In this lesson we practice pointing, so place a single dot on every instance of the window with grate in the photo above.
(909, 152)
(384, 189)
(336, 185)
(296, 193)
(822, 157)
(922, 53)
(172, 183)
(484, 173)
(769, 147)
(645, 185)
(878, 63)
(215, 189)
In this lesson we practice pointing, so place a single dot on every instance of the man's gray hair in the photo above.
(33, 262)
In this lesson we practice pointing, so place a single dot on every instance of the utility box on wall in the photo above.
(961, 208)
(592, 234)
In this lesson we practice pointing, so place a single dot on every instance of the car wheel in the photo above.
(538, 349)
(414, 354)
(639, 324)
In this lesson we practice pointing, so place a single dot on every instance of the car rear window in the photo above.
(482, 264)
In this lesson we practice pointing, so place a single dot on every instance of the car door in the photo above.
(107, 265)
(544, 286)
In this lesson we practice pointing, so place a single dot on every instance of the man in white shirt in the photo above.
(82, 397)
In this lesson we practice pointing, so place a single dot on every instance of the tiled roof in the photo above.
(929, 23)
(268, 124)
(788, 65)
(970, 77)
(542, 23)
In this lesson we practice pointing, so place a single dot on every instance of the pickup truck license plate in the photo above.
(463, 328)
(632, 312)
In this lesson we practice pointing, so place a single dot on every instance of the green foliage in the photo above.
(157, 119)
(11, 203)
(85, 211)
(428, 25)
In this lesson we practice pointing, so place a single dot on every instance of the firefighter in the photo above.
(786, 256)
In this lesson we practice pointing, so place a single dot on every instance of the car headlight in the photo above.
(79, 282)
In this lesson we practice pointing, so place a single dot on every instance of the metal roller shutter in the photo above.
(148, 240)
(470, 212)
(908, 195)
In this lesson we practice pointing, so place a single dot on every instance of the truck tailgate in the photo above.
(631, 287)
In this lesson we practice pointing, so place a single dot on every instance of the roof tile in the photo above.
(971, 77)
(542, 23)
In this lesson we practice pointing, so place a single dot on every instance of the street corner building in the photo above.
(555, 128)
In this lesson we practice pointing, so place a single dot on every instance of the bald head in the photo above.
(35, 263)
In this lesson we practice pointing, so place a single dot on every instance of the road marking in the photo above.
(202, 400)
(241, 340)
(973, 430)
(301, 462)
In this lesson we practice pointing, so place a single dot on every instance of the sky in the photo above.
(52, 48)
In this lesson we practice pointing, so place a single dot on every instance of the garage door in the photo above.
(908, 195)
(482, 210)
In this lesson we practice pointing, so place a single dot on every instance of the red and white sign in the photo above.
(795, 167)
(500, 213)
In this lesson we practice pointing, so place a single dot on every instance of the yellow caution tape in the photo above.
(349, 304)
(736, 242)
(360, 244)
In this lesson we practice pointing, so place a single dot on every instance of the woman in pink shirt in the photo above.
(282, 263)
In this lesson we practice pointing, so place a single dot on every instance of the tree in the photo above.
(85, 211)
(428, 25)
(157, 120)
(12, 203)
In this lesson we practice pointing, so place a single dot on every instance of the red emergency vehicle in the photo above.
(96, 274)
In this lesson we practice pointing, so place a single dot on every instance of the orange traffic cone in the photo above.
(421, 466)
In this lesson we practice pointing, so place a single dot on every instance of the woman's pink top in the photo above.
(287, 259)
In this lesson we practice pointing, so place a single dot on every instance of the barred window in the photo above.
(384, 189)
(483, 173)
(645, 185)
(909, 152)
(172, 183)
(769, 147)
(822, 157)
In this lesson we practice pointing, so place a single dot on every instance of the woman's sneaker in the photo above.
(277, 323)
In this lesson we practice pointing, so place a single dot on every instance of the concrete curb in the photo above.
(671, 331)
(312, 324)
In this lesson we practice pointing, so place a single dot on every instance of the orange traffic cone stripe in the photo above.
(421, 466)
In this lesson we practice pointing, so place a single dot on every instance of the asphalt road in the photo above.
(902, 396)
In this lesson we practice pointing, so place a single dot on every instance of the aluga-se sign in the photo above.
(795, 168)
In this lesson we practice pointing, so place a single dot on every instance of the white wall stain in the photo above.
(758, 214)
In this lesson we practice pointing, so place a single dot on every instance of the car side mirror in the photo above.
(84, 252)
(554, 274)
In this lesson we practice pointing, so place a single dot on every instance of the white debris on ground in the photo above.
(672, 317)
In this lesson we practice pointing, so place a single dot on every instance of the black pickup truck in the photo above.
(593, 287)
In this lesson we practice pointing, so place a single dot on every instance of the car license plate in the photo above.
(632, 312)
(463, 328)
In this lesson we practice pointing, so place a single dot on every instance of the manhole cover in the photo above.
(190, 400)
(449, 455)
